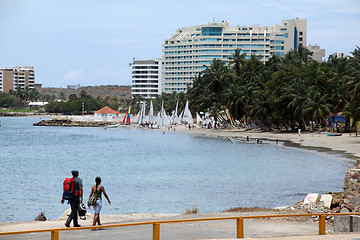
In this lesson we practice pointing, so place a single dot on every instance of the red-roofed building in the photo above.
(106, 112)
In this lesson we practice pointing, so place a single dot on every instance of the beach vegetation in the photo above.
(193, 210)
(41, 217)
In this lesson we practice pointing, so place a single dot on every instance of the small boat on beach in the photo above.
(242, 140)
(112, 126)
(333, 134)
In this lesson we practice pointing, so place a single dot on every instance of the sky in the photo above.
(91, 43)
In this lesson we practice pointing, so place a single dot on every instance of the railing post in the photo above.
(239, 228)
(322, 229)
(55, 235)
(156, 231)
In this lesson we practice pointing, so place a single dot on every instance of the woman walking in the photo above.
(97, 190)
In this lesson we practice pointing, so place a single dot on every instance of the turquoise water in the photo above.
(153, 171)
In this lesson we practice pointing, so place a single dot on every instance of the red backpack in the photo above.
(69, 191)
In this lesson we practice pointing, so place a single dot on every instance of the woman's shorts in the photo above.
(98, 206)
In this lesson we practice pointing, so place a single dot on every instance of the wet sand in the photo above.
(347, 144)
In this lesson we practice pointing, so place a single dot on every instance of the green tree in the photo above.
(237, 61)
(352, 110)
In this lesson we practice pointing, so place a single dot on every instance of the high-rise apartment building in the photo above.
(189, 49)
(146, 78)
(16, 77)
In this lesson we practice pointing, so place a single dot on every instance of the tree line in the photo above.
(287, 92)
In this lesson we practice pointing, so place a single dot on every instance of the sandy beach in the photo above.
(348, 143)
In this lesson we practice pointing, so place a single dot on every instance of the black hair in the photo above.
(98, 181)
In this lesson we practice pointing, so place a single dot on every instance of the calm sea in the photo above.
(153, 170)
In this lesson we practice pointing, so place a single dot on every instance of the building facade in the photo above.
(146, 78)
(317, 53)
(189, 49)
(16, 77)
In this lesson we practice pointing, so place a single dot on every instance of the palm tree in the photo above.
(253, 69)
(232, 98)
(303, 54)
(352, 110)
(237, 61)
(216, 75)
(354, 74)
(317, 108)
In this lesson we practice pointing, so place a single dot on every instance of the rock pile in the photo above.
(351, 193)
(70, 123)
(325, 203)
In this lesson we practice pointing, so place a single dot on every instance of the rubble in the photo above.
(70, 123)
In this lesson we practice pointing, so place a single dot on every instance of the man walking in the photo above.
(74, 203)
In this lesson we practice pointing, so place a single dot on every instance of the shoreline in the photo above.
(347, 144)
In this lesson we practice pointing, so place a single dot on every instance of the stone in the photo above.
(311, 198)
(335, 202)
(327, 199)
(342, 223)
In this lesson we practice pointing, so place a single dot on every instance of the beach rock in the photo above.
(311, 198)
(335, 202)
(70, 123)
(352, 190)
(327, 200)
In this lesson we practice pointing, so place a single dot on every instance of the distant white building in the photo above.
(146, 78)
(106, 113)
(317, 53)
(339, 54)
(37, 104)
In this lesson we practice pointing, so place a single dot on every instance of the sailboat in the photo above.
(187, 114)
(151, 119)
(162, 119)
(127, 116)
(174, 116)
(198, 118)
(141, 119)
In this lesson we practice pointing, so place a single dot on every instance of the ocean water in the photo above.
(153, 170)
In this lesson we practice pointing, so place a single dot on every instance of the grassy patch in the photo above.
(249, 209)
(193, 210)
(41, 217)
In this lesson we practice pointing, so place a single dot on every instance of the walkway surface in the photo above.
(219, 230)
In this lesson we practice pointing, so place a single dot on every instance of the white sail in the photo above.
(181, 117)
(187, 114)
(206, 118)
(174, 117)
(151, 119)
(158, 119)
(137, 116)
(141, 120)
(166, 121)
(162, 117)
(198, 118)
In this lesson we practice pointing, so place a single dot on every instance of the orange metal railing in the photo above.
(156, 224)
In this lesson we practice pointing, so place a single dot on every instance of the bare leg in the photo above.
(98, 219)
(95, 220)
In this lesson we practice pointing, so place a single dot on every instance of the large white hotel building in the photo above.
(190, 48)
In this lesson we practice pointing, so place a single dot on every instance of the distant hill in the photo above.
(95, 91)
